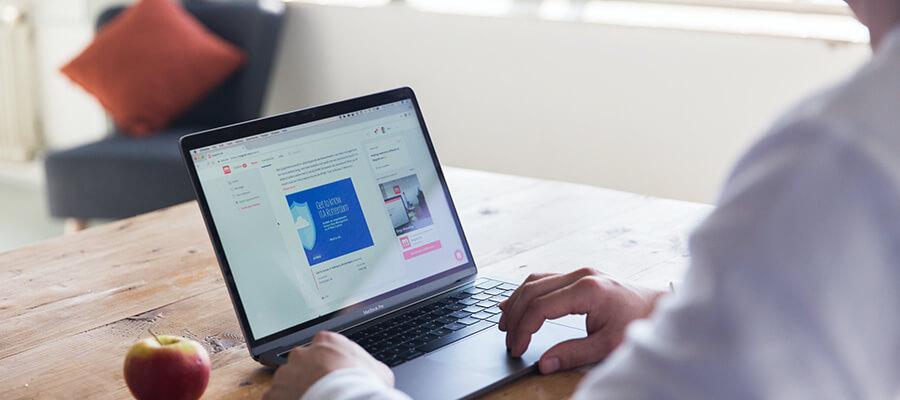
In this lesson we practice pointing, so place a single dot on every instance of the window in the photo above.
(498, 7)
(829, 20)
(348, 3)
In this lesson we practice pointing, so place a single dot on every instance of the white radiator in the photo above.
(20, 136)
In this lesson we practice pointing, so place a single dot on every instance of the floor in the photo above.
(23, 216)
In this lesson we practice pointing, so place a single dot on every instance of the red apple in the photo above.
(167, 367)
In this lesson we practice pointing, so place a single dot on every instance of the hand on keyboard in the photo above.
(327, 352)
(610, 306)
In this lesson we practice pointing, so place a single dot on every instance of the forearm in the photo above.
(352, 384)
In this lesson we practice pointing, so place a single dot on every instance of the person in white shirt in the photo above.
(793, 290)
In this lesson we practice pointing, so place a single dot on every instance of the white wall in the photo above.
(659, 112)
(70, 116)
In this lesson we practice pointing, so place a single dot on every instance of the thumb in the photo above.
(576, 352)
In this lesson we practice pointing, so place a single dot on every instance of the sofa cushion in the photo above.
(151, 64)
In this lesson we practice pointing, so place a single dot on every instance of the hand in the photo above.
(609, 304)
(327, 352)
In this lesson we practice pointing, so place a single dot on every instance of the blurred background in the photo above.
(657, 97)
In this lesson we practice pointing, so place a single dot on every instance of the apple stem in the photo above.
(154, 336)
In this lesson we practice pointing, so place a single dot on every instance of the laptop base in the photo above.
(476, 365)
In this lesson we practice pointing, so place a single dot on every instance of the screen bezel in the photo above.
(254, 127)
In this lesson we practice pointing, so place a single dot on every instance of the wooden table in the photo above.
(71, 307)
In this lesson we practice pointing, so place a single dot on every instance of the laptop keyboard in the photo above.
(433, 324)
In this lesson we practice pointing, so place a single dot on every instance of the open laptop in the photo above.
(338, 218)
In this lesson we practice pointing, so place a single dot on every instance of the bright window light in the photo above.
(555, 10)
(10, 14)
(718, 19)
(467, 7)
(345, 3)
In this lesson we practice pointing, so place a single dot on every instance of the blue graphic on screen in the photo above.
(329, 221)
(303, 222)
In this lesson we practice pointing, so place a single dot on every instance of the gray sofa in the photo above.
(120, 176)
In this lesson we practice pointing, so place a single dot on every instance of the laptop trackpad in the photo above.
(488, 348)
(475, 362)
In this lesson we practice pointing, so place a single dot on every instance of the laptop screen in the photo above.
(316, 217)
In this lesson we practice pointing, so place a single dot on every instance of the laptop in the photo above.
(338, 218)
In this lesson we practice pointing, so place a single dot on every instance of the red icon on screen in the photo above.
(459, 255)
(404, 241)
(396, 189)
(226, 169)
(245, 165)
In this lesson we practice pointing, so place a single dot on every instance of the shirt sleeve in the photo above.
(352, 384)
(791, 292)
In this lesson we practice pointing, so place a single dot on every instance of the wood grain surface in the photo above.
(71, 307)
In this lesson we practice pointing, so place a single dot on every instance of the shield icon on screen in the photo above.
(303, 222)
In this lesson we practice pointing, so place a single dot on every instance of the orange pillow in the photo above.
(151, 64)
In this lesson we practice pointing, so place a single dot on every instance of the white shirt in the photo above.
(794, 286)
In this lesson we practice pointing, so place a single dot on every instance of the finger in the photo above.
(297, 353)
(545, 282)
(342, 341)
(324, 336)
(517, 303)
(384, 372)
(579, 297)
(577, 352)
(336, 338)
(339, 343)
(530, 278)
